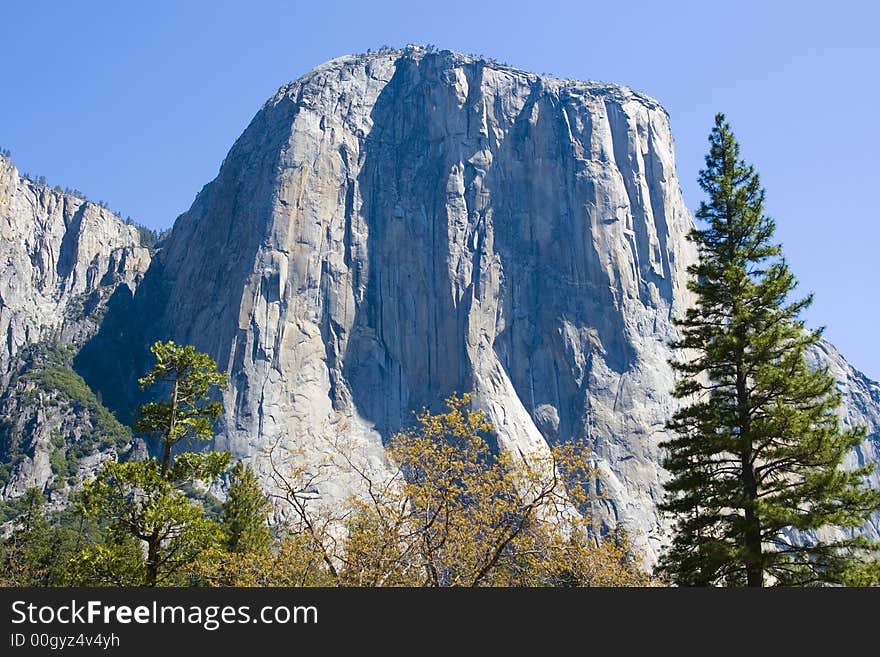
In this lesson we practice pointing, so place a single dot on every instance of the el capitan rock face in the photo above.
(395, 227)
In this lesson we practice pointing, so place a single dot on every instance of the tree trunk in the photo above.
(752, 535)
(152, 559)
(754, 570)
(169, 437)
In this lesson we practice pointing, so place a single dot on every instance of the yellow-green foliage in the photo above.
(454, 513)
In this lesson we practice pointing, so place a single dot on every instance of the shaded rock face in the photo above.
(62, 259)
(394, 228)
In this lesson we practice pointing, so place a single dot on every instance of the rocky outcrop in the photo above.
(860, 407)
(395, 227)
(64, 261)
(62, 258)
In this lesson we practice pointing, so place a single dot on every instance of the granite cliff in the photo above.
(393, 228)
(61, 260)
(64, 263)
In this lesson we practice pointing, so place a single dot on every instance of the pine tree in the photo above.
(758, 448)
(244, 512)
(26, 555)
(146, 500)
(41, 543)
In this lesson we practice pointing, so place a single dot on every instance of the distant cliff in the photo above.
(61, 259)
(63, 262)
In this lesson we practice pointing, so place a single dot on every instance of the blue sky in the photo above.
(138, 103)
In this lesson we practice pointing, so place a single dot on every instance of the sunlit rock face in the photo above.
(65, 262)
(395, 227)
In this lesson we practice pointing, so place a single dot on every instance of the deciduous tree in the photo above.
(453, 512)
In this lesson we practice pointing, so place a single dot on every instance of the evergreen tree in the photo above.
(26, 556)
(758, 449)
(146, 500)
(188, 412)
(40, 546)
(244, 512)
